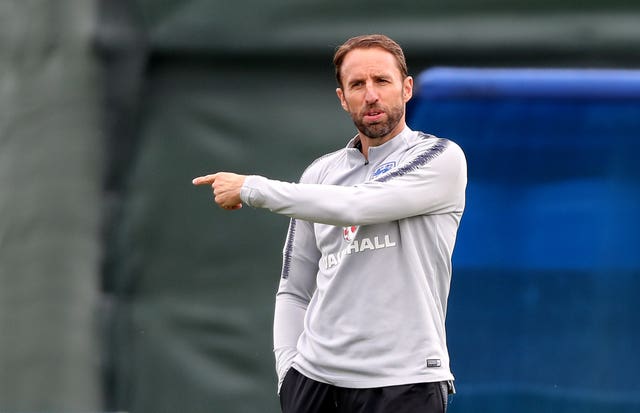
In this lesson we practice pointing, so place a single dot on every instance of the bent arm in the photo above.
(436, 186)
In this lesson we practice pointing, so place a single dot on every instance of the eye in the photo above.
(356, 84)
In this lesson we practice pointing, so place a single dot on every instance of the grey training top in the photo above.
(367, 261)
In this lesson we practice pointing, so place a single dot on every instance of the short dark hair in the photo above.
(369, 41)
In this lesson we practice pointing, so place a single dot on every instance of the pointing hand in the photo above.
(226, 188)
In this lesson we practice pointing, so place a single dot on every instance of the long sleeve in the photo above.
(367, 260)
(297, 284)
(430, 182)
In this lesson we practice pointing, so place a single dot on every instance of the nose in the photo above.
(371, 96)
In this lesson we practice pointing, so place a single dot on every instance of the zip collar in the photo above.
(376, 153)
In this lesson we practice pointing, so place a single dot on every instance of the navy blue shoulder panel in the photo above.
(419, 161)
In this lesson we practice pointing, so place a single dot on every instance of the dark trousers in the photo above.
(300, 394)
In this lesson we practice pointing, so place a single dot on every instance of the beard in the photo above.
(378, 129)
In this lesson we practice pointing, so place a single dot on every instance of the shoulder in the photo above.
(429, 147)
(320, 165)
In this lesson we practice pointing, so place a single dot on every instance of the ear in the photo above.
(343, 102)
(407, 88)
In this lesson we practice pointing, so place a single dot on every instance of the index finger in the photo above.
(204, 180)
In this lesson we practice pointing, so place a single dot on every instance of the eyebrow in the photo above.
(374, 76)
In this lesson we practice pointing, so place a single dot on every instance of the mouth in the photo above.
(373, 115)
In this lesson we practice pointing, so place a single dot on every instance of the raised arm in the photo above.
(431, 184)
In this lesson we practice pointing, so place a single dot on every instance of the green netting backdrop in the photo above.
(110, 107)
(50, 207)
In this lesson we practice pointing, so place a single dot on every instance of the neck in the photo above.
(367, 142)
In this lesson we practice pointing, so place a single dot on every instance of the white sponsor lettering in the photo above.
(332, 260)
(356, 246)
(366, 244)
(352, 247)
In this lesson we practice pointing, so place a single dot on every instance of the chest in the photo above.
(331, 239)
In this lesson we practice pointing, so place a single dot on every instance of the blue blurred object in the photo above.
(543, 314)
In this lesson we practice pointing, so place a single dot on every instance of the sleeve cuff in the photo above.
(250, 191)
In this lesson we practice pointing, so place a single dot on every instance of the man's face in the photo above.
(374, 92)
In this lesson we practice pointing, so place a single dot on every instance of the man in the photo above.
(359, 321)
